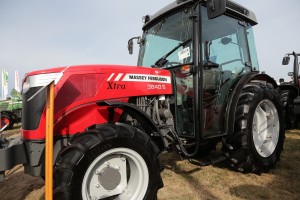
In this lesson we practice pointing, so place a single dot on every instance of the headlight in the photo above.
(40, 80)
(26, 85)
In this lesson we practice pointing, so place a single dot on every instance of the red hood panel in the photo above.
(116, 81)
(92, 83)
(81, 87)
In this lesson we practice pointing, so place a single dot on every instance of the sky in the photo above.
(38, 34)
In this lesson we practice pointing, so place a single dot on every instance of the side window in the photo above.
(254, 60)
(225, 40)
(226, 53)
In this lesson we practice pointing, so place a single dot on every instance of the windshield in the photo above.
(164, 39)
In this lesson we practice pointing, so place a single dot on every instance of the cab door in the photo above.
(225, 59)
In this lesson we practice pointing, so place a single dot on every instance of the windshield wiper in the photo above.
(162, 61)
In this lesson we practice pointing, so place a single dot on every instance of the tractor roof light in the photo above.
(146, 19)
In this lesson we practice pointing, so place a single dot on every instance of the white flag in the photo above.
(17, 82)
(4, 84)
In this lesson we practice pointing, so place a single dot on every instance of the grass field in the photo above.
(184, 181)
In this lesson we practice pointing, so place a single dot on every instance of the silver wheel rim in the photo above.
(120, 173)
(265, 128)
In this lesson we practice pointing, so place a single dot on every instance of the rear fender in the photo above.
(144, 120)
(236, 91)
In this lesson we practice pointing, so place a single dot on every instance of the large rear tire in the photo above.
(109, 162)
(259, 131)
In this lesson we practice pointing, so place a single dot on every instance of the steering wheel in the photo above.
(171, 64)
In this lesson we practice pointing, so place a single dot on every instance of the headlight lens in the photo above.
(40, 80)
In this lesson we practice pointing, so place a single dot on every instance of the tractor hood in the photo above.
(78, 89)
(106, 81)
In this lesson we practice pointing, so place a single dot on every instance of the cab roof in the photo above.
(232, 8)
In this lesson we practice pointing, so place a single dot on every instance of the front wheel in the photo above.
(109, 162)
(259, 132)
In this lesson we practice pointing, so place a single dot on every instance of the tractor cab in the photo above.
(206, 57)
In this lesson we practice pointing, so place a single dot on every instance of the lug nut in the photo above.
(123, 158)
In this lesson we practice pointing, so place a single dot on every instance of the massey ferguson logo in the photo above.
(146, 78)
(115, 86)
(115, 80)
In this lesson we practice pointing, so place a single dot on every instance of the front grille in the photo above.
(32, 110)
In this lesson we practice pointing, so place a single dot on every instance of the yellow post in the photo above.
(49, 142)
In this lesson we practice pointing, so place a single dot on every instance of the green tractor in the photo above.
(11, 110)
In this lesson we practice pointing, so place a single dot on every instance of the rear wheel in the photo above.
(7, 121)
(259, 134)
(109, 162)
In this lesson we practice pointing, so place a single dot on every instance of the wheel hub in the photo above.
(109, 178)
(118, 171)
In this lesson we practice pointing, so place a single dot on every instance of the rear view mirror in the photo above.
(286, 60)
(215, 8)
(130, 43)
(130, 46)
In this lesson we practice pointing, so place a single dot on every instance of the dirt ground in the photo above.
(17, 185)
(184, 181)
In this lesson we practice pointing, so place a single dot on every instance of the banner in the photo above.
(4, 84)
(17, 82)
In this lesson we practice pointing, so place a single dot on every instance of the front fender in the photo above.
(144, 120)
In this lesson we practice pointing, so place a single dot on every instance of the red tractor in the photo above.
(290, 95)
(197, 84)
